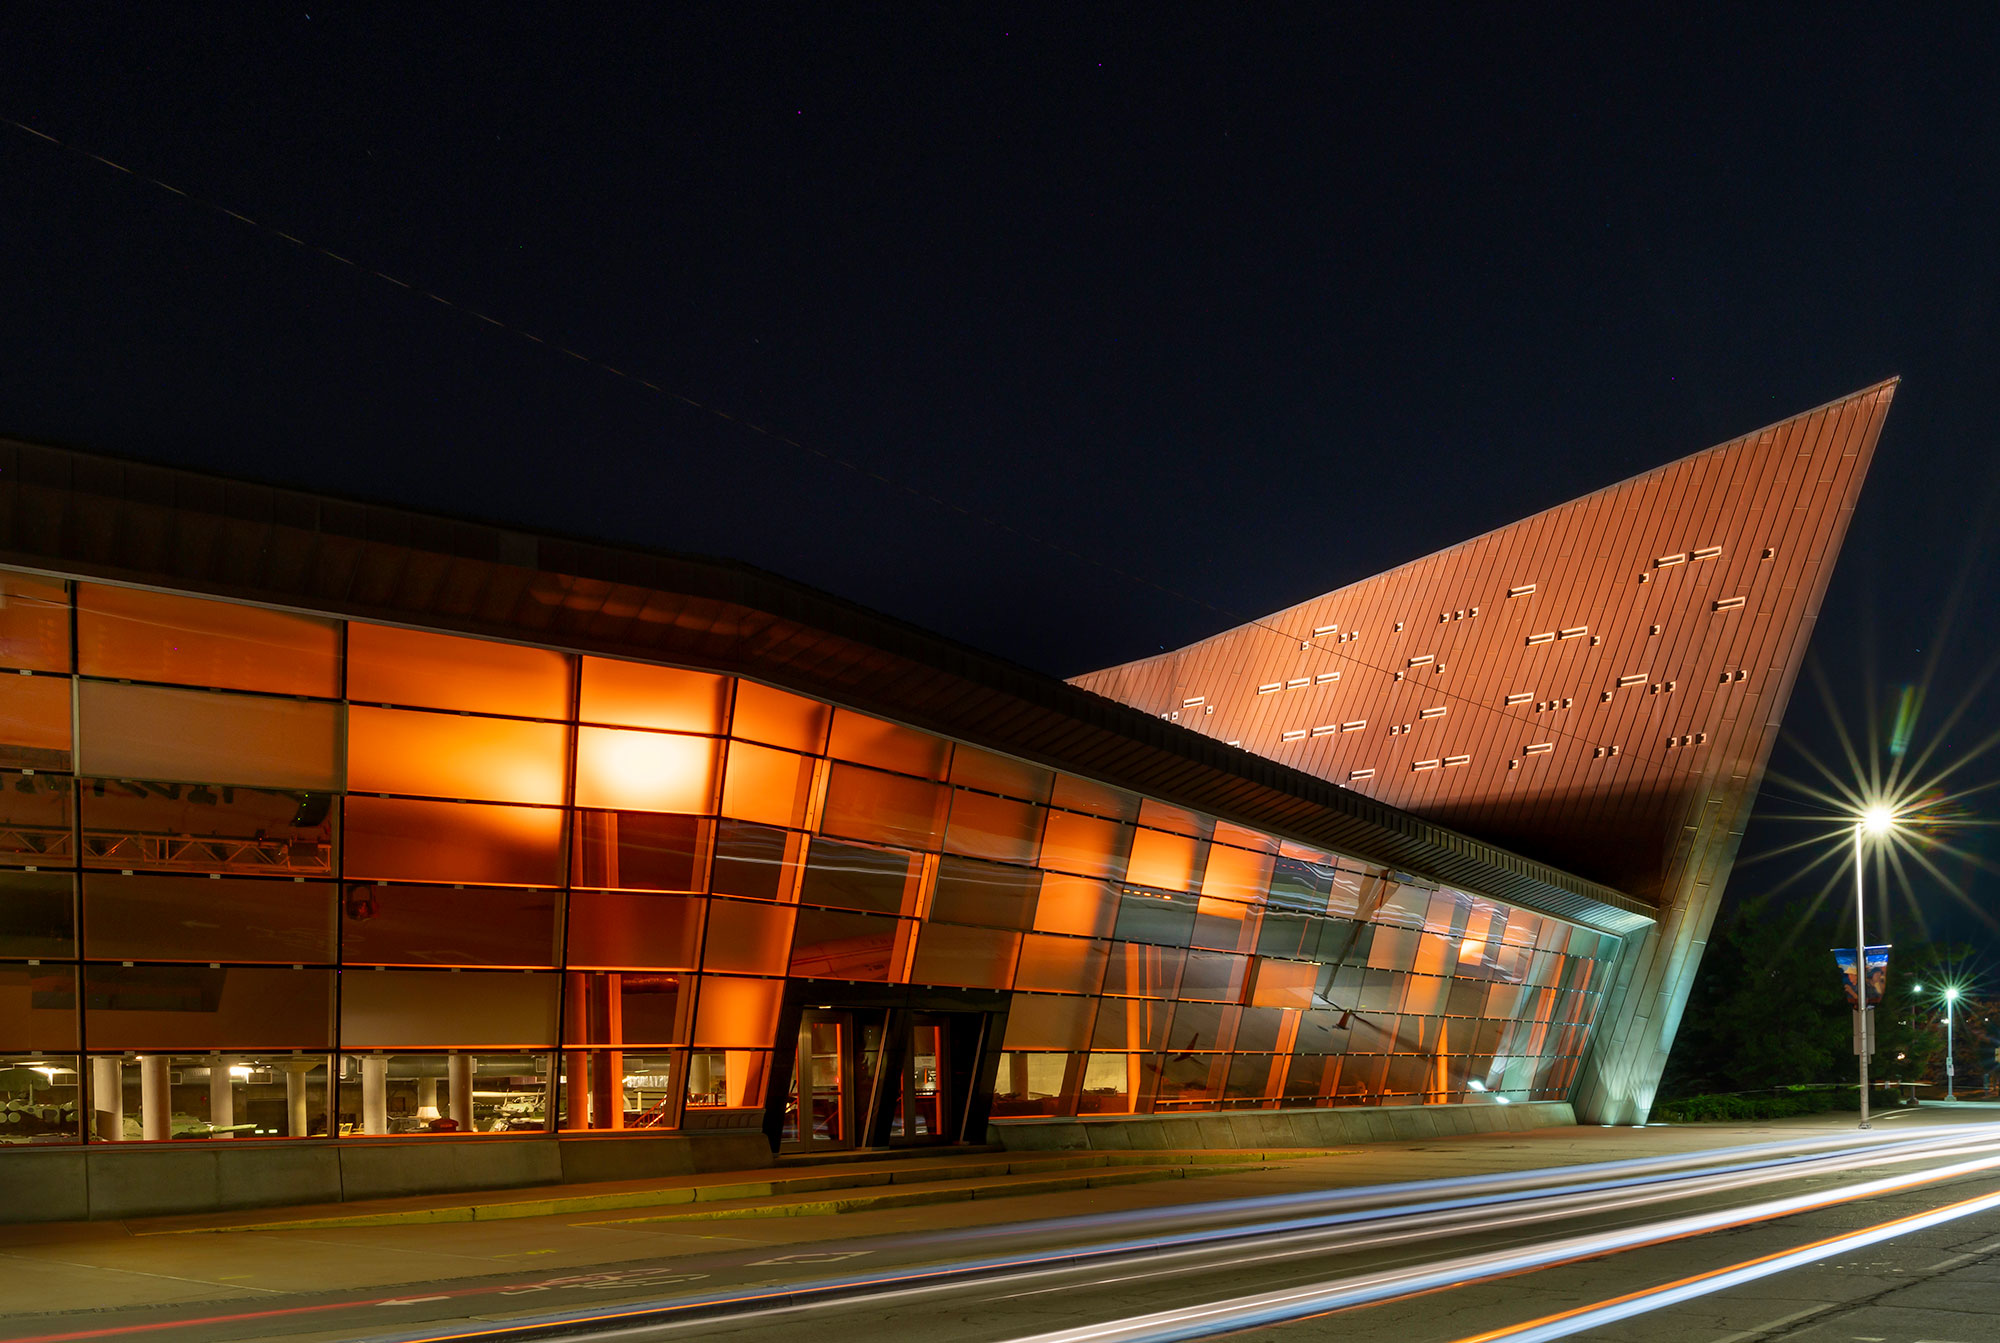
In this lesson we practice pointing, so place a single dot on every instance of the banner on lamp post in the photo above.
(1878, 973)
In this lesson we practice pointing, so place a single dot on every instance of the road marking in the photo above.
(410, 1300)
(1758, 1331)
(820, 1257)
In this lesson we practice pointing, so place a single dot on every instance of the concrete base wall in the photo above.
(112, 1180)
(1274, 1128)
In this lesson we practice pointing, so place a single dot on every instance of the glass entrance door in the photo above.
(923, 1105)
(833, 1081)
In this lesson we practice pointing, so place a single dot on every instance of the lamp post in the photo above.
(1950, 999)
(1874, 821)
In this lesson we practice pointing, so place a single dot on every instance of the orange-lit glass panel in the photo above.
(34, 623)
(1283, 984)
(736, 1013)
(1085, 845)
(196, 1007)
(447, 1009)
(1130, 1023)
(726, 1079)
(444, 671)
(1237, 874)
(1213, 977)
(150, 636)
(383, 924)
(990, 773)
(766, 785)
(1082, 906)
(870, 741)
(633, 694)
(982, 826)
(978, 958)
(37, 1007)
(470, 842)
(639, 850)
(849, 876)
(1061, 964)
(1156, 815)
(621, 928)
(645, 771)
(644, 1008)
(1163, 860)
(452, 755)
(37, 915)
(1036, 1021)
(34, 722)
(777, 718)
(1140, 971)
(153, 732)
(206, 828)
(1096, 799)
(748, 938)
(37, 815)
(834, 944)
(868, 804)
(985, 894)
(756, 861)
(1224, 925)
(159, 917)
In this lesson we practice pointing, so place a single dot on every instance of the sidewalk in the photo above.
(603, 1230)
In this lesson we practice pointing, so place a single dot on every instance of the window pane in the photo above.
(444, 925)
(1061, 964)
(1284, 984)
(1029, 1084)
(42, 1098)
(1213, 977)
(883, 808)
(748, 938)
(829, 944)
(34, 722)
(737, 1013)
(1143, 972)
(152, 917)
(777, 718)
(638, 850)
(1130, 1023)
(632, 694)
(443, 671)
(194, 1007)
(614, 1008)
(37, 914)
(1237, 874)
(870, 741)
(990, 773)
(1038, 1022)
(762, 784)
(1201, 1026)
(151, 732)
(1077, 905)
(1164, 861)
(725, 1079)
(451, 755)
(1094, 799)
(615, 1090)
(415, 1094)
(150, 636)
(645, 771)
(1085, 845)
(993, 827)
(1224, 925)
(204, 828)
(446, 1009)
(36, 815)
(755, 861)
(980, 958)
(212, 1097)
(34, 623)
(851, 877)
(619, 928)
(474, 843)
(38, 1007)
(985, 894)
(1110, 1084)
(1147, 917)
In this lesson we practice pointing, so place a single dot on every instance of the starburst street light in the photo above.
(1876, 820)
(1950, 1001)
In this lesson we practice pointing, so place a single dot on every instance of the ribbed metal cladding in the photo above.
(86, 515)
(1611, 675)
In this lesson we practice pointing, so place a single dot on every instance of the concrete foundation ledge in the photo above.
(1274, 1128)
(111, 1180)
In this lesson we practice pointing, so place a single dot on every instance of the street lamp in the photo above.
(1950, 998)
(1876, 820)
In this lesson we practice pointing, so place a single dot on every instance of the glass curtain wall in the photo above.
(271, 875)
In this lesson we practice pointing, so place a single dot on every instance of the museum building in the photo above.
(336, 829)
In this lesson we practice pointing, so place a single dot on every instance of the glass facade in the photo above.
(271, 875)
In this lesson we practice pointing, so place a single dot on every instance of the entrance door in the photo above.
(924, 1106)
(833, 1079)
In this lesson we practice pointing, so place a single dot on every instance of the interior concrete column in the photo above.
(156, 1105)
(374, 1093)
(459, 1083)
(221, 1094)
(107, 1100)
(427, 1098)
(576, 1091)
(297, 1122)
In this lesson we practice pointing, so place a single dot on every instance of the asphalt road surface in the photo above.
(1818, 1237)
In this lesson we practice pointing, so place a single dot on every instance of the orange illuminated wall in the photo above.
(1598, 687)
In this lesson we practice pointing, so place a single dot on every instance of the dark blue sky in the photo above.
(1248, 305)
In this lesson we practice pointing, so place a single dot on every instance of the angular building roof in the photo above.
(78, 513)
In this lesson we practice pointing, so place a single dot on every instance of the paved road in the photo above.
(1895, 1236)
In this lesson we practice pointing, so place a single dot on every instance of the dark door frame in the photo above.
(978, 1022)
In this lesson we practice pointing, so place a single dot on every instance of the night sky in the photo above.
(1197, 313)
